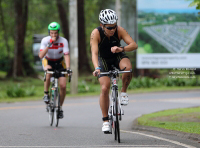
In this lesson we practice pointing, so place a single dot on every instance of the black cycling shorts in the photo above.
(59, 64)
(105, 64)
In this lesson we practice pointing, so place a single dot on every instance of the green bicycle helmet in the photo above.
(54, 26)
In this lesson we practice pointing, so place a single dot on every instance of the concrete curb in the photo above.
(195, 137)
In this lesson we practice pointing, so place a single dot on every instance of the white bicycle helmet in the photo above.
(108, 16)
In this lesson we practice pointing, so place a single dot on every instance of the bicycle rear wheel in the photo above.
(56, 107)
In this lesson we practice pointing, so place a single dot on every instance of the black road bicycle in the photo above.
(53, 108)
(115, 111)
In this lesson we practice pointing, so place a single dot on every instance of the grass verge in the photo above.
(181, 119)
(29, 89)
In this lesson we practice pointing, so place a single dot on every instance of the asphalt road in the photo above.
(26, 124)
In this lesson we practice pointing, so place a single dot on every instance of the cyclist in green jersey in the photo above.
(52, 50)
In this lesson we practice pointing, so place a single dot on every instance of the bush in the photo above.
(83, 87)
(17, 91)
(31, 91)
(146, 82)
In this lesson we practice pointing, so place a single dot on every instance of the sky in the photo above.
(164, 4)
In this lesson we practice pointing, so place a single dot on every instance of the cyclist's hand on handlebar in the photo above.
(69, 71)
(96, 72)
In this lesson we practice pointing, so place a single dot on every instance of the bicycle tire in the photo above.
(117, 118)
(51, 114)
(114, 114)
(114, 123)
(56, 107)
(51, 110)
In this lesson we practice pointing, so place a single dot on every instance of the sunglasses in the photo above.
(110, 28)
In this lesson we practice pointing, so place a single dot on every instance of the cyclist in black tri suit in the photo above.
(106, 51)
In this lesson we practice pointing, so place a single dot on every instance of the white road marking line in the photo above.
(171, 141)
(95, 146)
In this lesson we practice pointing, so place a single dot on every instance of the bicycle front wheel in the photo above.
(56, 107)
(117, 118)
(51, 109)
(116, 121)
(51, 113)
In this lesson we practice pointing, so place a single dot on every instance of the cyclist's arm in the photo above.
(94, 40)
(123, 34)
(67, 61)
(66, 53)
(43, 48)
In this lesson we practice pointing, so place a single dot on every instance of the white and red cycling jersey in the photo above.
(56, 50)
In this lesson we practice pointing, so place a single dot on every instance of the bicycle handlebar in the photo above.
(52, 72)
(62, 72)
(110, 72)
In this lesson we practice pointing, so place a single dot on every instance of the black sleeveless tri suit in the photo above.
(105, 57)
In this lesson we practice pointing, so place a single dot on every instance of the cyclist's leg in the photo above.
(126, 77)
(47, 82)
(104, 102)
(104, 96)
(62, 83)
(123, 62)
(105, 87)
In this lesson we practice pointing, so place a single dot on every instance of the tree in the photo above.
(63, 18)
(20, 66)
(83, 61)
(21, 9)
(5, 31)
(195, 3)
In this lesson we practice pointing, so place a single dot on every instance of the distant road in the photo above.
(26, 124)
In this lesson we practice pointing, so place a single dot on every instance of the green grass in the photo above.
(27, 88)
(181, 119)
(28, 85)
